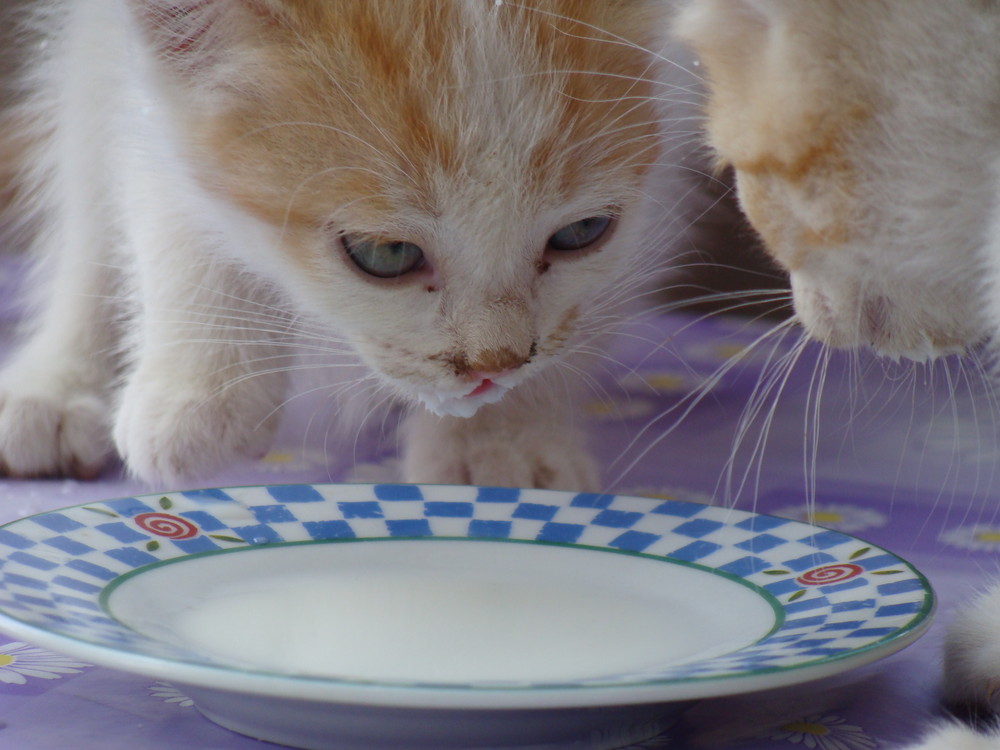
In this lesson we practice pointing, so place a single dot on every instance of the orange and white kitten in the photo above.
(451, 191)
(866, 142)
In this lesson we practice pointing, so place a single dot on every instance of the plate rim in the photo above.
(222, 677)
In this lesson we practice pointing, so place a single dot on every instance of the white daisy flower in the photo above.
(615, 736)
(835, 516)
(20, 662)
(978, 537)
(169, 694)
(663, 381)
(386, 470)
(290, 460)
(819, 732)
(654, 743)
(621, 408)
(667, 493)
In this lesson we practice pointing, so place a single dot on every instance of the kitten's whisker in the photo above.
(335, 80)
(319, 125)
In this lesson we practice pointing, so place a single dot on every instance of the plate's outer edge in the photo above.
(843, 602)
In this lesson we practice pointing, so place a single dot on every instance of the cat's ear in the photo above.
(707, 22)
(190, 36)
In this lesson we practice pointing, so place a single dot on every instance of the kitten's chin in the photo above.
(463, 405)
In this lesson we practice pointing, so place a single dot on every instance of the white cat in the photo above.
(865, 135)
(450, 191)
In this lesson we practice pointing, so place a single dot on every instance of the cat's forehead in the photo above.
(372, 102)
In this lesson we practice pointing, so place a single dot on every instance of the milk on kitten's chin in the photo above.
(464, 404)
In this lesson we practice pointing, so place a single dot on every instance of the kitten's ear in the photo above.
(192, 35)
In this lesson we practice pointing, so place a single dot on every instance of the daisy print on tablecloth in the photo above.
(167, 693)
(621, 408)
(293, 461)
(654, 743)
(846, 518)
(20, 663)
(615, 736)
(386, 471)
(979, 537)
(823, 732)
(668, 493)
(667, 382)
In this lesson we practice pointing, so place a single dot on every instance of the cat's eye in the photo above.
(580, 234)
(384, 259)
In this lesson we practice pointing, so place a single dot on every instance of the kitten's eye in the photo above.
(386, 260)
(580, 234)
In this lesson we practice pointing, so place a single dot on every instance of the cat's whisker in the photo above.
(764, 398)
(334, 80)
(812, 434)
(603, 35)
(290, 203)
(580, 374)
(384, 160)
(687, 404)
(334, 387)
(993, 402)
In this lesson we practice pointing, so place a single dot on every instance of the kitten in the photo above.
(865, 137)
(449, 191)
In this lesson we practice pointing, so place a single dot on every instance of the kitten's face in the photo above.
(865, 139)
(451, 181)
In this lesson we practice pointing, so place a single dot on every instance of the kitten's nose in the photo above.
(492, 364)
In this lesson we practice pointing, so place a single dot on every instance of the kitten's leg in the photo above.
(958, 737)
(972, 656)
(526, 440)
(55, 391)
(208, 378)
(972, 676)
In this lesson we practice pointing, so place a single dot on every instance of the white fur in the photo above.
(170, 313)
(909, 209)
(956, 737)
(972, 674)
(919, 192)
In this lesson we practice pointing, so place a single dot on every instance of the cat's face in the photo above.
(865, 137)
(452, 182)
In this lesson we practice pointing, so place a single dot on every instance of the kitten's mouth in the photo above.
(482, 388)
(487, 391)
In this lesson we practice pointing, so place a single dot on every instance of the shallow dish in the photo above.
(367, 616)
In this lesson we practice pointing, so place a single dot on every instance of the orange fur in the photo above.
(784, 122)
(396, 119)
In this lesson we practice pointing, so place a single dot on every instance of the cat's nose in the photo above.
(492, 364)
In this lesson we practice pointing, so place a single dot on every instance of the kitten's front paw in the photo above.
(168, 430)
(49, 428)
(958, 737)
(972, 656)
(449, 450)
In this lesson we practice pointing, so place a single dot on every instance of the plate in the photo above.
(365, 616)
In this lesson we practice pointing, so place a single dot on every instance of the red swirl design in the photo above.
(166, 525)
(828, 574)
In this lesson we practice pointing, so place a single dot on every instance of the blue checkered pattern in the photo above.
(55, 567)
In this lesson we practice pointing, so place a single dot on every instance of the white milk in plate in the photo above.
(443, 611)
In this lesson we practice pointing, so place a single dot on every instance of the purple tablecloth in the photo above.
(901, 455)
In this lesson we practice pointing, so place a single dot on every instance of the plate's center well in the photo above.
(443, 611)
